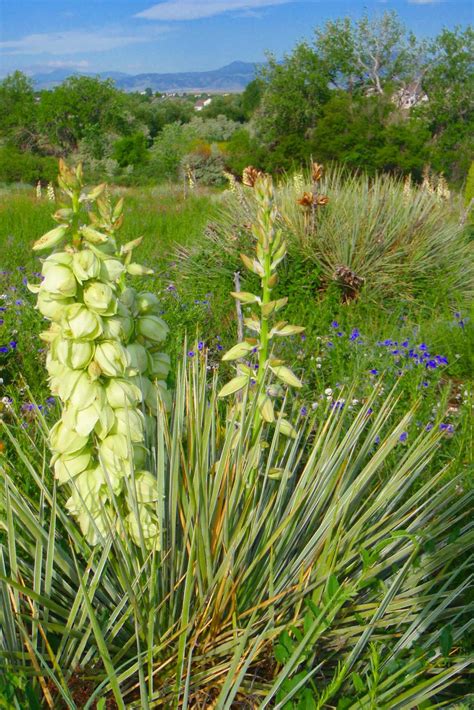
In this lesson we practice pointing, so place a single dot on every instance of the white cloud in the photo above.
(171, 10)
(424, 2)
(76, 41)
(59, 64)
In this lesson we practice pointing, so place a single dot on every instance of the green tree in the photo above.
(469, 189)
(252, 97)
(169, 147)
(242, 150)
(67, 112)
(295, 91)
(351, 130)
(368, 54)
(130, 150)
(228, 106)
(17, 110)
(449, 110)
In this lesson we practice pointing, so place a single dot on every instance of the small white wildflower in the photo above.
(314, 405)
(328, 391)
(318, 366)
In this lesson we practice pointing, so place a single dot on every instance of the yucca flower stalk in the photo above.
(270, 251)
(104, 363)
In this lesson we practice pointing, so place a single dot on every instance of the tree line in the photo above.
(366, 94)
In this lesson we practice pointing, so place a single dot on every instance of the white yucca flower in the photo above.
(298, 181)
(104, 365)
(232, 182)
(407, 189)
(50, 191)
(442, 190)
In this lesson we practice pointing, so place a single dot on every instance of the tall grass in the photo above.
(327, 543)
(165, 217)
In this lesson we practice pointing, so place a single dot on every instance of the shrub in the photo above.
(204, 168)
(16, 166)
(394, 240)
(130, 150)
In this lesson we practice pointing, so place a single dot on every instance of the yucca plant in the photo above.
(368, 233)
(378, 557)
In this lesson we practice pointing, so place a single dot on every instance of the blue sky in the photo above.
(136, 36)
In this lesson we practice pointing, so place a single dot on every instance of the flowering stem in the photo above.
(266, 297)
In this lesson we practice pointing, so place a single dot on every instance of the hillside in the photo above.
(233, 77)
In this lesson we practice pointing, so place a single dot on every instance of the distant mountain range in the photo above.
(233, 77)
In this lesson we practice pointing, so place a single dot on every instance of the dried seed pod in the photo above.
(250, 176)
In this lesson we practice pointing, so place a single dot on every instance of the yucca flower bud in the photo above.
(76, 354)
(85, 265)
(159, 365)
(130, 422)
(146, 487)
(79, 389)
(59, 258)
(100, 298)
(80, 323)
(144, 528)
(138, 358)
(112, 358)
(50, 307)
(139, 455)
(66, 466)
(59, 281)
(112, 270)
(122, 393)
(153, 328)
(115, 454)
(66, 441)
(128, 298)
(147, 303)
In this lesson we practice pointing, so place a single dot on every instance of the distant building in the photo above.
(202, 103)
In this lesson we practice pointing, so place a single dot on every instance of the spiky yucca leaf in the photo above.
(396, 245)
(380, 552)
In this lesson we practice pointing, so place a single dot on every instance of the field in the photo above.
(329, 569)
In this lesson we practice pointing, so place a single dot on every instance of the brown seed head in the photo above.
(321, 199)
(316, 172)
(306, 199)
(250, 175)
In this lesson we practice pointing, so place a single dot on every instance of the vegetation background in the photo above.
(366, 94)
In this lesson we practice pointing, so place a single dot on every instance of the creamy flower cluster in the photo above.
(104, 363)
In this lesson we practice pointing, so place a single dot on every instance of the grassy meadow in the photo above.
(329, 570)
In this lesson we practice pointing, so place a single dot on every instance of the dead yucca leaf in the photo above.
(350, 282)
